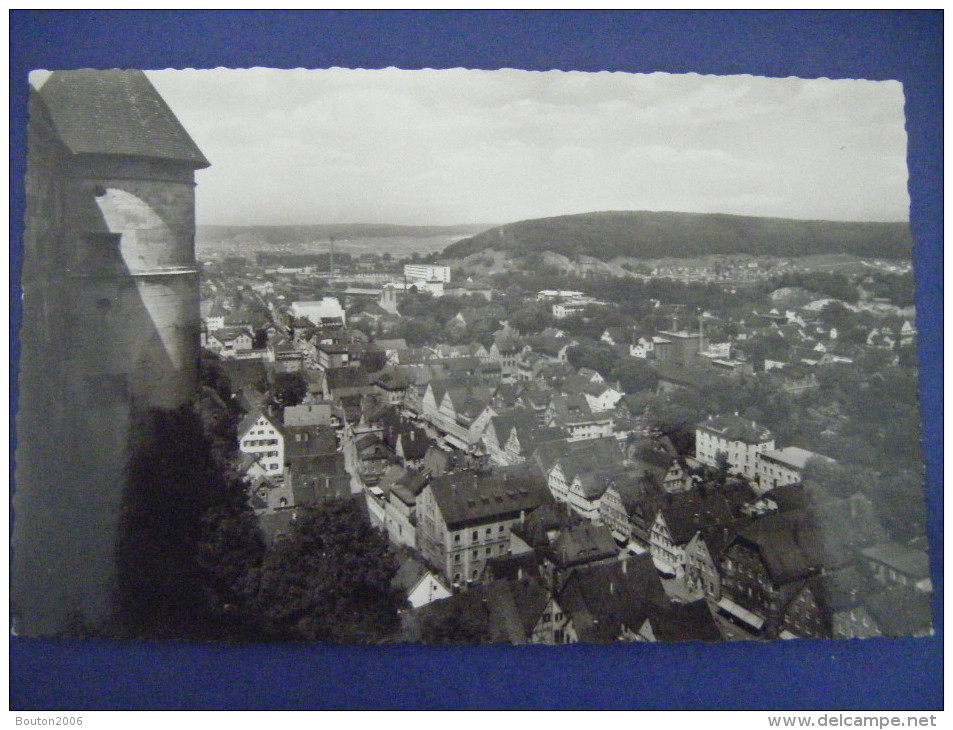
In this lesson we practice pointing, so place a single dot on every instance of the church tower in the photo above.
(110, 327)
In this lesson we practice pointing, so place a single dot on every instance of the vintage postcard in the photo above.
(458, 356)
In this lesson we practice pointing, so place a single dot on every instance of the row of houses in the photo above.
(462, 452)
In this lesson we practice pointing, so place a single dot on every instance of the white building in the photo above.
(739, 439)
(550, 295)
(427, 272)
(261, 438)
(779, 467)
(566, 309)
(315, 311)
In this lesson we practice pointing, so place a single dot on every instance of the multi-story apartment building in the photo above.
(464, 518)
(427, 272)
(739, 439)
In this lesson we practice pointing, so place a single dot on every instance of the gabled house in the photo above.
(400, 508)
(679, 518)
(767, 564)
(341, 382)
(228, 341)
(609, 602)
(319, 478)
(554, 348)
(679, 622)
(214, 317)
(643, 348)
(506, 350)
(581, 545)
(602, 396)
(418, 584)
(536, 399)
(261, 437)
(562, 462)
(458, 408)
(283, 356)
(895, 612)
(507, 611)
(574, 414)
(907, 333)
(619, 504)
(587, 488)
(894, 564)
(525, 439)
(701, 559)
(658, 462)
(372, 457)
(497, 433)
(829, 606)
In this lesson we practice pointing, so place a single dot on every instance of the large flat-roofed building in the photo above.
(779, 467)
(320, 311)
(427, 272)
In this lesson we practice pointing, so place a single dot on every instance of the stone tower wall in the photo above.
(110, 328)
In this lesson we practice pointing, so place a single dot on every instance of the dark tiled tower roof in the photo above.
(116, 112)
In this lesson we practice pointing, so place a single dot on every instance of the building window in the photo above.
(476, 535)
(456, 537)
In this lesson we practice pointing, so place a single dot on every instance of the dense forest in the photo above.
(650, 235)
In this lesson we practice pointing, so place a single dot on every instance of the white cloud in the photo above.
(492, 146)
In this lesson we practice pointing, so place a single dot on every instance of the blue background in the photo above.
(873, 674)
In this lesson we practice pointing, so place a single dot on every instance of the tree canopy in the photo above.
(178, 492)
(330, 579)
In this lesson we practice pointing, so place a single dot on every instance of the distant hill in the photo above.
(651, 235)
(272, 235)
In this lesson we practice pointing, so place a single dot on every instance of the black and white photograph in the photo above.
(467, 357)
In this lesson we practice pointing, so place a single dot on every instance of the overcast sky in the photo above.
(459, 146)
